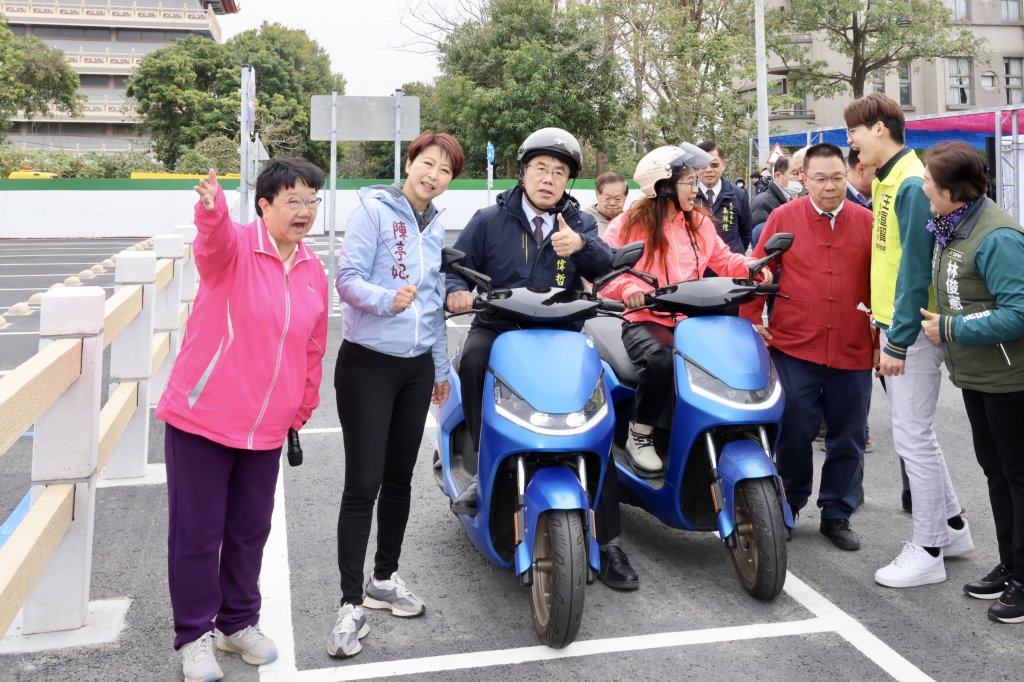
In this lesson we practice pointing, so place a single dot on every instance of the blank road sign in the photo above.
(363, 119)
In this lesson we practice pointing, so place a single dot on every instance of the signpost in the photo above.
(360, 119)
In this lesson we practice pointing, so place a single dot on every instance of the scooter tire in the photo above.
(559, 576)
(759, 553)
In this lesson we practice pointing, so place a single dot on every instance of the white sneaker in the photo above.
(640, 447)
(914, 566)
(198, 663)
(254, 646)
(960, 542)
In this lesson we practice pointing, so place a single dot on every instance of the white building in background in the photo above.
(103, 41)
(995, 79)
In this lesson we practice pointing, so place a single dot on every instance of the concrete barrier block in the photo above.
(135, 267)
(188, 232)
(72, 312)
(169, 246)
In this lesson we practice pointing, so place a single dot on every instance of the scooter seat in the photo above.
(606, 332)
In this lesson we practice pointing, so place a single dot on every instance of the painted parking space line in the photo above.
(828, 618)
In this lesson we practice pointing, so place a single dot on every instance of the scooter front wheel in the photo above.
(559, 576)
(759, 553)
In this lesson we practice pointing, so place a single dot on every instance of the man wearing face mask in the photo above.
(795, 180)
(774, 196)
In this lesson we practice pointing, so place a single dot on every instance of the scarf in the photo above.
(943, 226)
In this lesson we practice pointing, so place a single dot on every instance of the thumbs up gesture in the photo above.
(930, 325)
(565, 240)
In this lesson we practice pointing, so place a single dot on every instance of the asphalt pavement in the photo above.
(690, 619)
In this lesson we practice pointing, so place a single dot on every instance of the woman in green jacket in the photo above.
(979, 288)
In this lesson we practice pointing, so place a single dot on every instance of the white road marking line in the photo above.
(18, 333)
(275, 584)
(486, 659)
(58, 275)
(275, 576)
(853, 632)
(456, 325)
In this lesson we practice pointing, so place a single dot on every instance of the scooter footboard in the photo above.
(554, 488)
(740, 460)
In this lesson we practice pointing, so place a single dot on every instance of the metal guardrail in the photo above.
(45, 565)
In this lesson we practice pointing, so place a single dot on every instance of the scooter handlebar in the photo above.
(767, 288)
(612, 306)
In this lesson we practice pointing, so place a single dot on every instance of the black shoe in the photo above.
(908, 503)
(616, 571)
(1010, 607)
(840, 533)
(991, 586)
(465, 503)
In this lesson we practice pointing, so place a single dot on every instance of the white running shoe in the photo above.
(914, 566)
(960, 542)
(254, 646)
(640, 447)
(198, 662)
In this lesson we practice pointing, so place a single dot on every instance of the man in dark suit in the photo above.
(728, 203)
(858, 180)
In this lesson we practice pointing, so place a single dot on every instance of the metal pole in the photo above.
(1015, 162)
(333, 213)
(398, 134)
(243, 139)
(762, 83)
(998, 161)
(751, 164)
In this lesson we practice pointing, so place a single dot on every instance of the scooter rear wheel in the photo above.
(759, 553)
(559, 577)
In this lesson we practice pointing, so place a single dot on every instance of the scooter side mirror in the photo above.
(779, 243)
(449, 257)
(628, 255)
(451, 264)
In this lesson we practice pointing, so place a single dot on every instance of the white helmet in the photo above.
(664, 162)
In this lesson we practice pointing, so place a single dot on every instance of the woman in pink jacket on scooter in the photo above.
(249, 369)
(680, 243)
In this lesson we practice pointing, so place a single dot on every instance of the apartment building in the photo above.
(995, 78)
(103, 41)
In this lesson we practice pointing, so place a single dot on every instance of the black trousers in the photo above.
(476, 354)
(382, 404)
(842, 397)
(994, 426)
(649, 346)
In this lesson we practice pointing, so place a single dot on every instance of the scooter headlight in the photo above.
(703, 383)
(516, 409)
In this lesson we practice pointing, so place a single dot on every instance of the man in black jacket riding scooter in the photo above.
(534, 236)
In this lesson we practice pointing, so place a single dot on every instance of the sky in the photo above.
(363, 38)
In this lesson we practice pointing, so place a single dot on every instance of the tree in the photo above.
(34, 77)
(523, 65)
(188, 91)
(216, 151)
(878, 35)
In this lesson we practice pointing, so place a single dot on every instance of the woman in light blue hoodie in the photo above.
(392, 363)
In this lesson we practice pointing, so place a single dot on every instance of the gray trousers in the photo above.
(912, 399)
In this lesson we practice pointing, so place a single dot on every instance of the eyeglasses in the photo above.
(557, 173)
(715, 165)
(296, 204)
(688, 184)
(828, 179)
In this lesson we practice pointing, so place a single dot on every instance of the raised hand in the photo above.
(404, 298)
(565, 241)
(207, 190)
(459, 302)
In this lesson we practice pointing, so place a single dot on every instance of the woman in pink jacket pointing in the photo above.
(680, 243)
(249, 369)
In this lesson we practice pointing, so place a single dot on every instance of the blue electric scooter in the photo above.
(720, 472)
(546, 431)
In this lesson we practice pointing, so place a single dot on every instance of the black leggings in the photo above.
(382, 403)
(649, 346)
(994, 426)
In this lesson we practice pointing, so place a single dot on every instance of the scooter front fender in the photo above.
(740, 460)
(554, 488)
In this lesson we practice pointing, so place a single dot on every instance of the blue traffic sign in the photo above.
(490, 153)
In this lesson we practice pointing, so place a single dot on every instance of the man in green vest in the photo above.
(909, 361)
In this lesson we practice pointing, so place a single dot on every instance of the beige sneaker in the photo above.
(640, 447)
(198, 663)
